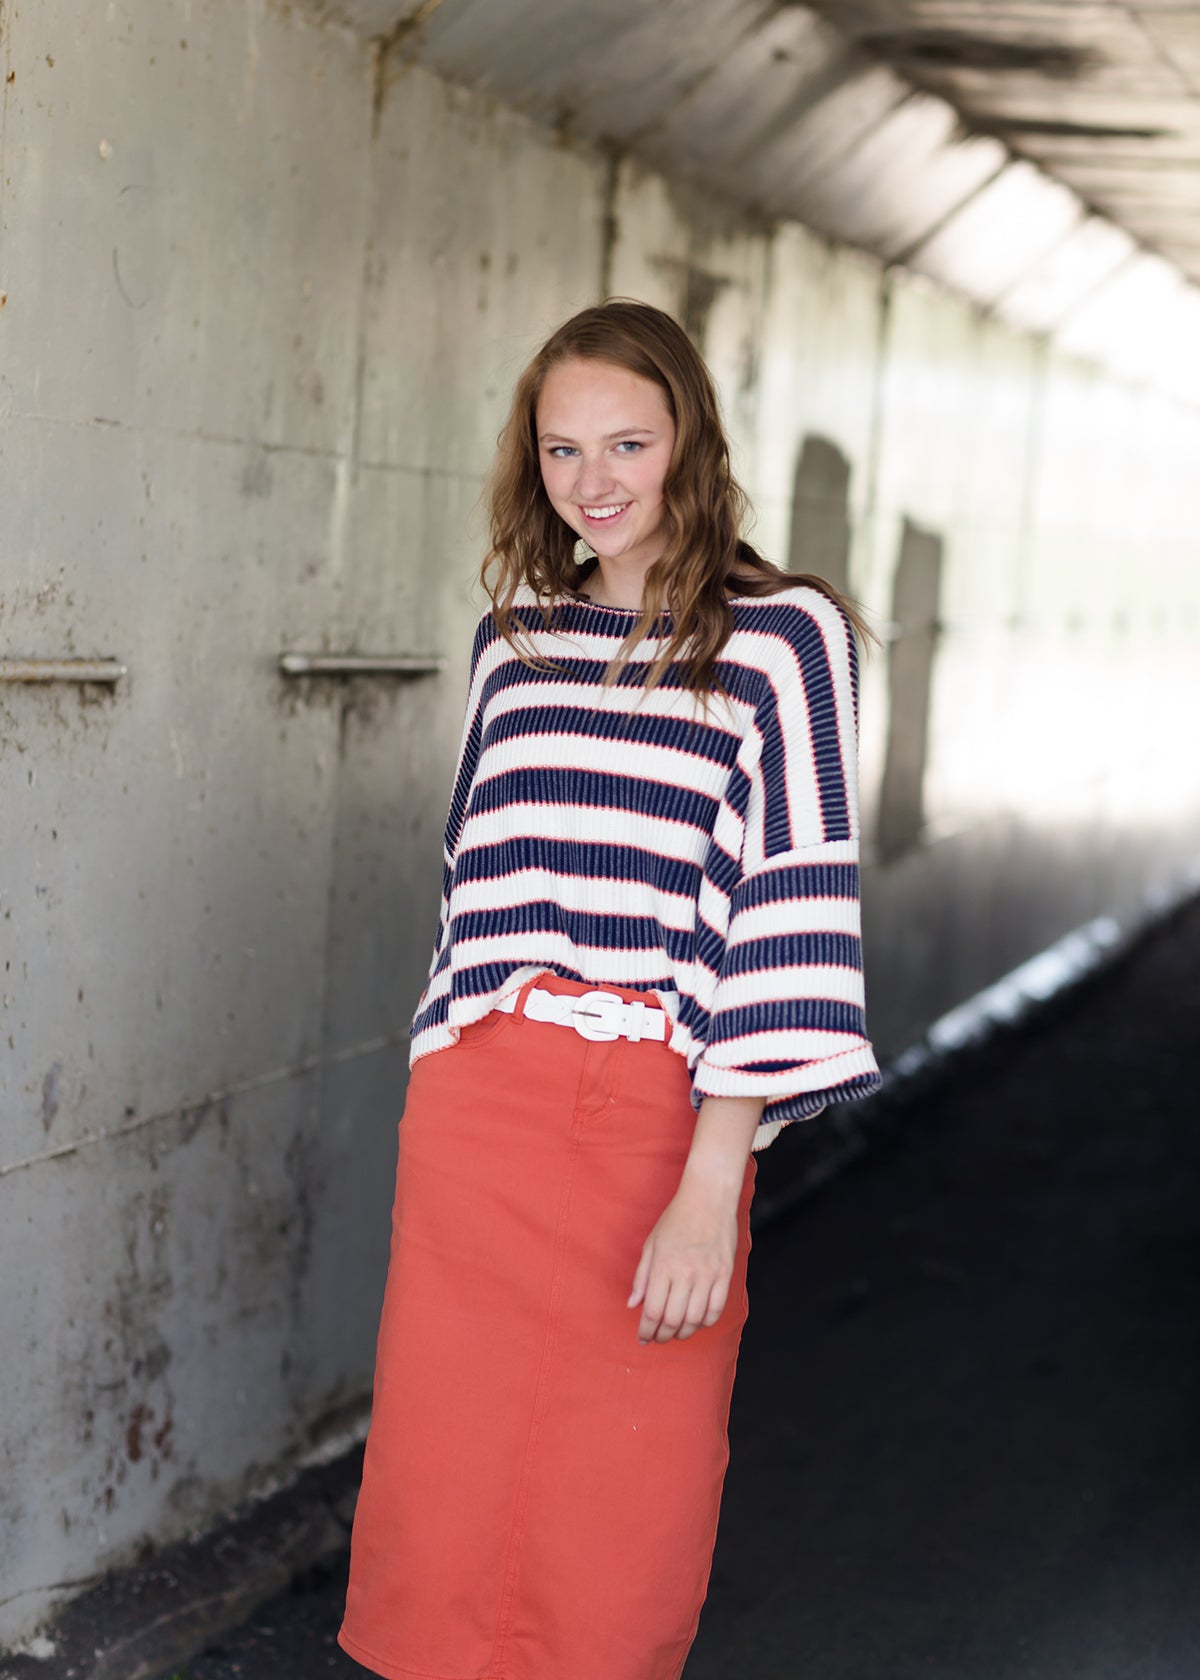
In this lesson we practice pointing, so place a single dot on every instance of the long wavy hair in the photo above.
(685, 599)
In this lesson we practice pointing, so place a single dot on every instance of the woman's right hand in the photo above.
(682, 1280)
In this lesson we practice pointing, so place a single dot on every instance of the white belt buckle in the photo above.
(596, 1016)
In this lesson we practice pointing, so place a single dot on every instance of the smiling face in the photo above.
(605, 437)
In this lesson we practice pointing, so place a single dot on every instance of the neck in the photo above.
(615, 585)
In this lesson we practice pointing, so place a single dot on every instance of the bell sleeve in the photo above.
(786, 1021)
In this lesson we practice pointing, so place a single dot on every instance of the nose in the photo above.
(595, 479)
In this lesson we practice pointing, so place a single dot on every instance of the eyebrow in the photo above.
(626, 431)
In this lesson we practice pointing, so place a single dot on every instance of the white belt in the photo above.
(600, 1016)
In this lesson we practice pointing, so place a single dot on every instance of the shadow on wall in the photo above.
(820, 543)
(820, 535)
(911, 652)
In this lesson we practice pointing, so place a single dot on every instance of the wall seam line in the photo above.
(239, 1088)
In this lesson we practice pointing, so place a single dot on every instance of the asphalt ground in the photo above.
(966, 1428)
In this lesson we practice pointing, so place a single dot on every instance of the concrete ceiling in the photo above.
(1104, 96)
(1042, 156)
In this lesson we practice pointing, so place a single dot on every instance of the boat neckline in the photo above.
(602, 606)
(571, 600)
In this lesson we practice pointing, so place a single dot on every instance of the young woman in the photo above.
(647, 963)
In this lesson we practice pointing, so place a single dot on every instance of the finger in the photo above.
(657, 1291)
(640, 1276)
(688, 1327)
(674, 1311)
(718, 1295)
(694, 1313)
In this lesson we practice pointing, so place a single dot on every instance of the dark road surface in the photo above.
(966, 1432)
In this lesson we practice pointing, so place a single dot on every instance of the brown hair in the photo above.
(703, 505)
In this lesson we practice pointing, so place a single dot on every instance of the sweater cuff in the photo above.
(795, 1093)
(821, 1075)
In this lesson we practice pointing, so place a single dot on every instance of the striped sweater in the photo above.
(620, 837)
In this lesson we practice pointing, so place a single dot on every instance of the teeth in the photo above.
(606, 512)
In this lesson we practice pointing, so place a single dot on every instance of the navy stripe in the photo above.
(812, 1102)
(679, 945)
(767, 1068)
(591, 860)
(722, 870)
(485, 634)
(710, 947)
(777, 816)
(566, 785)
(797, 1108)
(582, 928)
(462, 783)
(693, 1017)
(804, 635)
(803, 1014)
(684, 735)
(786, 882)
(788, 950)
(743, 682)
(737, 793)
(613, 933)
(433, 1015)
(482, 979)
(813, 656)
(593, 618)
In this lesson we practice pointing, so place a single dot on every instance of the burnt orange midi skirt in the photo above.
(540, 1493)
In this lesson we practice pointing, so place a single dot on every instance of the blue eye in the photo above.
(562, 451)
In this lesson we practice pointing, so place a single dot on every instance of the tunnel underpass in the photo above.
(267, 274)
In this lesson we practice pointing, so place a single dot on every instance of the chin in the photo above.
(613, 551)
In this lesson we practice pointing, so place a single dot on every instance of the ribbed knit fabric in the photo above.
(620, 837)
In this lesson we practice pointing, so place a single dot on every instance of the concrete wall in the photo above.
(262, 301)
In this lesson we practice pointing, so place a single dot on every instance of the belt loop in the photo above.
(637, 1012)
(519, 1007)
